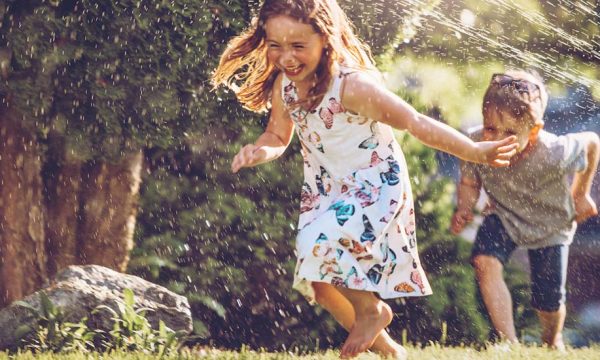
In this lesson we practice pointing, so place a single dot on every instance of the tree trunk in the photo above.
(109, 206)
(22, 250)
(66, 213)
(62, 175)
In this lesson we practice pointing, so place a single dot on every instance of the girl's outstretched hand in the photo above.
(496, 153)
(248, 156)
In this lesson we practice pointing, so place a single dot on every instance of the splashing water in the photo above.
(548, 60)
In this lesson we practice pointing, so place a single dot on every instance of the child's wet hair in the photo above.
(245, 62)
(517, 92)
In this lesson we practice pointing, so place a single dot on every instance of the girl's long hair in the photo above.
(244, 66)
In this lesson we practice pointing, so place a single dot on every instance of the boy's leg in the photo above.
(548, 291)
(496, 296)
(491, 251)
(552, 325)
(341, 309)
(371, 317)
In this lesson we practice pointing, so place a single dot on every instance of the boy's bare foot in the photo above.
(559, 346)
(366, 328)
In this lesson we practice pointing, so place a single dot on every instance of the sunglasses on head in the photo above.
(518, 84)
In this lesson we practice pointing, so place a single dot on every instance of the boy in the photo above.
(531, 202)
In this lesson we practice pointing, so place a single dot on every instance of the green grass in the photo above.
(434, 352)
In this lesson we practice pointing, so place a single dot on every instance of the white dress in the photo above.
(357, 223)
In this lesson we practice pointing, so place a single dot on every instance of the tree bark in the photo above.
(62, 175)
(109, 207)
(22, 250)
(64, 213)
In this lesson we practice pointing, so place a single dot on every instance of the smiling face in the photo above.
(294, 47)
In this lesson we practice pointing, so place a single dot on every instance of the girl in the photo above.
(356, 243)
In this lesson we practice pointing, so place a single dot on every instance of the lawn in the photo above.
(428, 353)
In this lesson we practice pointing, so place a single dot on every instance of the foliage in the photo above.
(131, 331)
(54, 333)
(109, 76)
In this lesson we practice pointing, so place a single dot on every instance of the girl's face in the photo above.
(293, 47)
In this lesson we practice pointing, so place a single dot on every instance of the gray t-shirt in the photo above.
(532, 196)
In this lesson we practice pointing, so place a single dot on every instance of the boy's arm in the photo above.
(585, 207)
(272, 143)
(467, 195)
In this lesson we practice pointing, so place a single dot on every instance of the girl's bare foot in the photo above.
(387, 348)
(367, 327)
(396, 353)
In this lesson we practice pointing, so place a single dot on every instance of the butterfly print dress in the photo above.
(357, 223)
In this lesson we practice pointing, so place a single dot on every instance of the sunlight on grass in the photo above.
(433, 352)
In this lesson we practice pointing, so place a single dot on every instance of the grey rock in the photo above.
(78, 290)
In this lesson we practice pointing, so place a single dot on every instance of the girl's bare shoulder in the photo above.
(358, 86)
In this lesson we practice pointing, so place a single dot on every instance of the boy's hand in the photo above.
(248, 156)
(496, 153)
(585, 207)
(460, 219)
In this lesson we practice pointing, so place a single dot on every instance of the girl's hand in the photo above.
(496, 153)
(248, 156)
(585, 207)
(460, 219)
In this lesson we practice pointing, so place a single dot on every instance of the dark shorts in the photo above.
(548, 265)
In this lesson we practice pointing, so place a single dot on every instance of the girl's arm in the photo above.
(585, 207)
(363, 95)
(273, 142)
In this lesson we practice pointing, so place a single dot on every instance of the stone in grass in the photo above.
(78, 290)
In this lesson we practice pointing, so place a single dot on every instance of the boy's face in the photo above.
(497, 126)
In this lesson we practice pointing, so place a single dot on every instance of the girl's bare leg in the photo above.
(341, 309)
